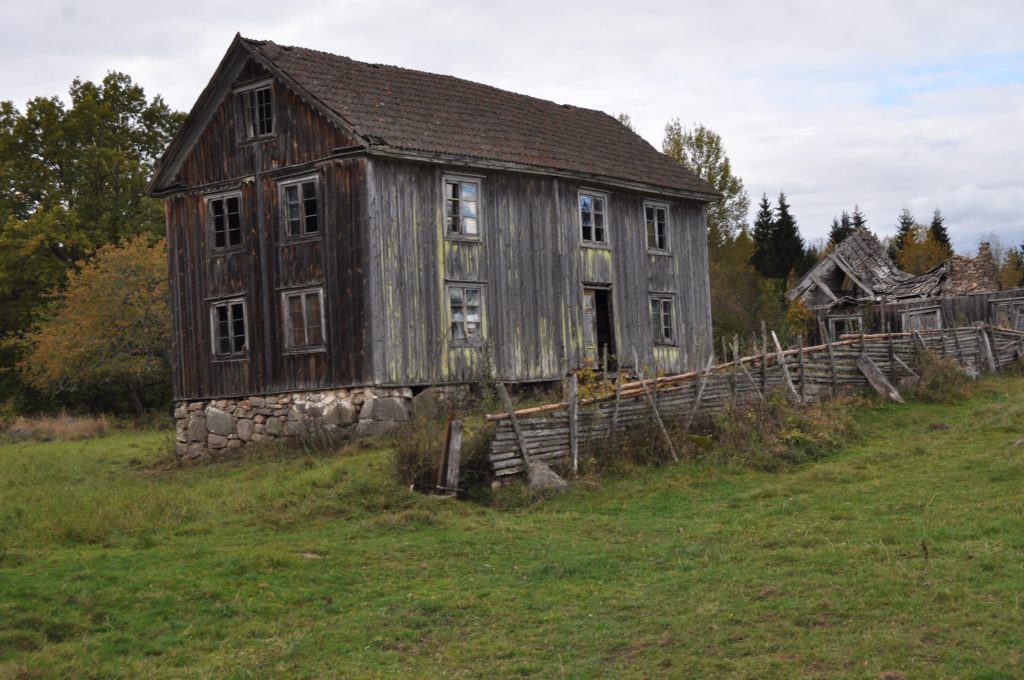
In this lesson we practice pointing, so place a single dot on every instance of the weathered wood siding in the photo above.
(267, 264)
(533, 268)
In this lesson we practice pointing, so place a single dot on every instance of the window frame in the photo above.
(461, 235)
(248, 128)
(481, 339)
(215, 337)
(659, 336)
(666, 236)
(305, 348)
(282, 196)
(846, 319)
(211, 227)
(922, 313)
(593, 243)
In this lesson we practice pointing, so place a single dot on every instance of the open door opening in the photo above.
(598, 328)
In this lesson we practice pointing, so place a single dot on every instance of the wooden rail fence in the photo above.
(806, 374)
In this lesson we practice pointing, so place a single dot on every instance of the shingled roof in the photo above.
(415, 111)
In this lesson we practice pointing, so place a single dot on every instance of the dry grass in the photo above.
(61, 427)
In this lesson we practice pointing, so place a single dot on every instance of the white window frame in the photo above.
(465, 341)
(211, 226)
(666, 248)
(289, 330)
(299, 182)
(661, 298)
(592, 242)
(460, 234)
(215, 336)
(249, 125)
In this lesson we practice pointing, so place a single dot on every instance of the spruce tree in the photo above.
(904, 227)
(939, 233)
(789, 246)
(763, 246)
(858, 219)
(840, 229)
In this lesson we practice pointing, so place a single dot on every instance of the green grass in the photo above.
(900, 557)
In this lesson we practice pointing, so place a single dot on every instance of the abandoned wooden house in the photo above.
(857, 287)
(343, 235)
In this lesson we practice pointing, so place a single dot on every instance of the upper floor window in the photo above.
(662, 325)
(656, 217)
(227, 319)
(461, 200)
(224, 219)
(304, 319)
(257, 104)
(593, 228)
(465, 306)
(300, 202)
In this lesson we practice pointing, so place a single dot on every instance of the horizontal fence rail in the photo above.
(807, 375)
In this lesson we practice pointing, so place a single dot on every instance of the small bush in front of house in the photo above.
(943, 381)
(777, 433)
(642, 445)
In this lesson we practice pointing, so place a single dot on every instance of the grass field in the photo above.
(900, 557)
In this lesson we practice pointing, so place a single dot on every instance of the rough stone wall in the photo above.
(209, 427)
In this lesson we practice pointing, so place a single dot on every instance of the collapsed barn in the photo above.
(857, 288)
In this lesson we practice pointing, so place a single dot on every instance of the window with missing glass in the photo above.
(257, 111)
(227, 319)
(225, 222)
(304, 319)
(656, 218)
(461, 205)
(593, 227)
(300, 203)
(465, 308)
(662, 316)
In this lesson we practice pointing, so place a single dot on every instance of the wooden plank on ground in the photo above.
(877, 379)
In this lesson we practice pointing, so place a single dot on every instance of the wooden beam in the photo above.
(785, 368)
(877, 379)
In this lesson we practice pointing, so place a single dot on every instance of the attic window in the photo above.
(257, 106)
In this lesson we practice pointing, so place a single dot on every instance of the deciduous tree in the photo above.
(110, 327)
(702, 151)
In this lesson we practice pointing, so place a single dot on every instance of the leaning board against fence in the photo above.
(807, 375)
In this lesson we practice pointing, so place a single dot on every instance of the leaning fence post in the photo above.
(618, 398)
(784, 367)
(574, 425)
(832, 368)
(764, 359)
(700, 393)
(506, 402)
(657, 417)
(442, 469)
(800, 355)
(451, 482)
(892, 361)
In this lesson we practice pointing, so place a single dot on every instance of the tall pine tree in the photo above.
(788, 242)
(763, 246)
(939, 233)
(904, 227)
(858, 219)
(841, 228)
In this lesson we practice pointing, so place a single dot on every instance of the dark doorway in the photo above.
(598, 329)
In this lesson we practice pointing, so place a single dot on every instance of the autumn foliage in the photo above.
(110, 328)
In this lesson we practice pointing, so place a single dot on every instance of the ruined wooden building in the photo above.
(856, 287)
(342, 235)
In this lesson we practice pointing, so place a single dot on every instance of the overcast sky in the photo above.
(881, 104)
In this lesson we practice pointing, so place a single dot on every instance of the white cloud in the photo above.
(877, 103)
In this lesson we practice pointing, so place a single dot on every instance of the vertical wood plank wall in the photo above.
(533, 267)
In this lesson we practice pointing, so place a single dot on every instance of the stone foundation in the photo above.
(210, 427)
